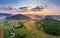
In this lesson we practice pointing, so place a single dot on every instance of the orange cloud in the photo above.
(53, 11)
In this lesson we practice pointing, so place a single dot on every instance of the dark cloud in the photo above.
(23, 8)
(6, 8)
(38, 8)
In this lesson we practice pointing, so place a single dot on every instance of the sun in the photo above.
(29, 8)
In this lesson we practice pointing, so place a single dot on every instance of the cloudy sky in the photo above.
(43, 7)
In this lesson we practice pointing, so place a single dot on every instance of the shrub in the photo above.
(20, 33)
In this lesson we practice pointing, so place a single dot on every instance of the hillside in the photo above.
(18, 17)
(4, 15)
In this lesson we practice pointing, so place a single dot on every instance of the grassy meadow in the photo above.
(29, 29)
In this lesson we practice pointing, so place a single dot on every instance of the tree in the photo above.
(20, 33)
(21, 36)
(51, 26)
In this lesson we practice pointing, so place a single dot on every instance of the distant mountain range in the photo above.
(18, 17)
(34, 16)
(24, 16)
(4, 15)
(55, 16)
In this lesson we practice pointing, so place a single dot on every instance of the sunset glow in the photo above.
(43, 7)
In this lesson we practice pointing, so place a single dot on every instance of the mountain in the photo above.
(55, 16)
(18, 17)
(34, 16)
(4, 15)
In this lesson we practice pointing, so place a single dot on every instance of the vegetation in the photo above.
(28, 29)
(20, 25)
(20, 32)
(51, 26)
(7, 33)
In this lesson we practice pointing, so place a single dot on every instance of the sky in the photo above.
(43, 7)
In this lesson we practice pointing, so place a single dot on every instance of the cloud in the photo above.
(6, 8)
(38, 8)
(22, 9)
(55, 2)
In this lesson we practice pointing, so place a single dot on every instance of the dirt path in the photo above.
(1, 33)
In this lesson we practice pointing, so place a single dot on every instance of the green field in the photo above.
(29, 30)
